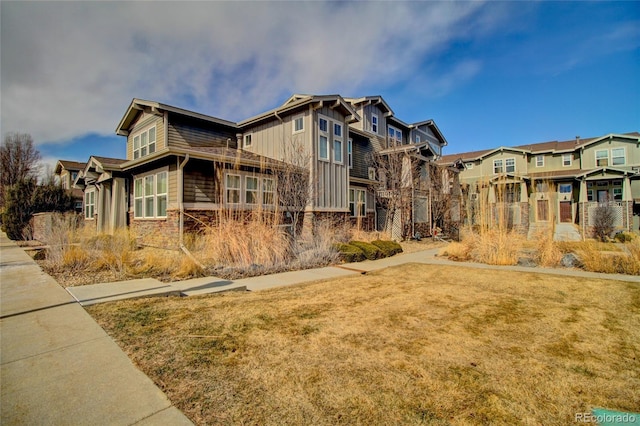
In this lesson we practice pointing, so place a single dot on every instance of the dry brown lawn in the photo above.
(415, 344)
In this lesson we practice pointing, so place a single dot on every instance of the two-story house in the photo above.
(553, 182)
(184, 168)
(67, 173)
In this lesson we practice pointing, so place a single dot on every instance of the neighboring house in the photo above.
(184, 168)
(67, 172)
(553, 182)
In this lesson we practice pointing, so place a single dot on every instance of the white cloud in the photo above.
(71, 68)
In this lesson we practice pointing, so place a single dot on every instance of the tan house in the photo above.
(183, 167)
(67, 173)
(554, 182)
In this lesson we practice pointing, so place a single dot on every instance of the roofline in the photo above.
(290, 105)
(164, 107)
(378, 98)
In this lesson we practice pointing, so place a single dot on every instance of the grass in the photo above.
(415, 344)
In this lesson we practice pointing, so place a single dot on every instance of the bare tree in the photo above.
(18, 161)
(397, 173)
(442, 196)
(293, 182)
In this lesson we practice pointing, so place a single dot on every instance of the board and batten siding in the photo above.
(331, 178)
(191, 133)
(143, 122)
(276, 139)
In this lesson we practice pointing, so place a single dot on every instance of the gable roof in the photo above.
(375, 100)
(297, 101)
(68, 165)
(157, 108)
(431, 124)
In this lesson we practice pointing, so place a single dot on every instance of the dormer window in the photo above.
(144, 143)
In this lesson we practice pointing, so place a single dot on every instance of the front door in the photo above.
(543, 210)
(565, 211)
(603, 195)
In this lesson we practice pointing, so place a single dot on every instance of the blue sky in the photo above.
(489, 74)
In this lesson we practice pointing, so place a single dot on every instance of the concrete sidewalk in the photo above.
(57, 366)
(106, 292)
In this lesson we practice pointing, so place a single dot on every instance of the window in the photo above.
(357, 202)
(497, 166)
(323, 148)
(510, 164)
(374, 123)
(617, 194)
(417, 138)
(89, 204)
(233, 189)
(602, 157)
(350, 153)
(564, 188)
(539, 160)
(150, 195)
(161, 194)
(298, 124)
(144, 143)
(247, 141)
(337, 151)
(268, 192)
(618, 157)
(337, 129)
(74, 176)
(372, 173)
(542, 187)
(566, 160)
(323, 124)
(468, 166)
(589, 194)
(251, 190)
(395, 135)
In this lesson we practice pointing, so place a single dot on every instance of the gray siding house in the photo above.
(183, 167)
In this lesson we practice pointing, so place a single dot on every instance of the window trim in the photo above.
(604, 158)
(92, 204)
(539, 163)
(564, 157)
(295, 121)
(323, 134)
(335, 157)
(148, 145)
(495, 165)
(264, 192)
(255, 191)
(396, 132)
(468, 165)
(614, 195)
(247, 140)
(376, 124)
(506, 166)
(624, 156)
(155, 196)
(260, 191)
(226, 189)
(565, 185)
(350, 153)
(352, 202)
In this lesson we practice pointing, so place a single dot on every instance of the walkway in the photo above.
(57, 366)
(106, 292)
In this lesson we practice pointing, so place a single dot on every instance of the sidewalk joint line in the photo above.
(71, 302)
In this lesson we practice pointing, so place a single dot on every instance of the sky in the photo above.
(489, 74)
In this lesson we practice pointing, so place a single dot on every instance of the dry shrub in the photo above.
(457, 251)
(498, 247)
(547, 251)
(318, 249)
(622, 262)
(356, 234)
(238, 243)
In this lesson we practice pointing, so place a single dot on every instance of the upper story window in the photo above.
(298, 124)
(144, 143)
(247, 141)
(371, 172)
(374, 123)
(150, 195)
(337, 150)
(74, 176)
(539, 160)
(566, 160)
(337, 129)
(89, 204)
(510, 165)
(618, 157)
(350, 153)
(564, 188)
(417, 138)
(497, 167)
(468, 166)
(395, 135)
(602, 157)
(323, 124)
(323, 139)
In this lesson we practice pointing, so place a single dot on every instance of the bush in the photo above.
(18, 208)
(603, 220)
(388, 248)
(370, 251)
(624, 237)
(349, 253)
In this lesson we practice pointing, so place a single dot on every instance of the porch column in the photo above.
(626, 189)
(583, 191)
(492, 194)
(524, 197)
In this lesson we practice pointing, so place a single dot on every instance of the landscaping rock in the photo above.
(527, 261)
(571, 260)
